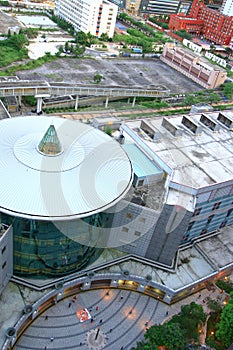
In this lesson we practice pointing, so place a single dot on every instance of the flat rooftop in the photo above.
(198, 156)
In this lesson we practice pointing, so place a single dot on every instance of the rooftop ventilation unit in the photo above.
(173, 129)
(148, 129)
(191, 125)
(209, 123)
(225, 120)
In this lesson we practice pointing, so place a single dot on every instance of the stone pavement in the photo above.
(119, 320)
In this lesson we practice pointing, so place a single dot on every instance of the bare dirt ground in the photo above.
(116, 72)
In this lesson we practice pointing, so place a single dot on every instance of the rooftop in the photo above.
(86, 173)
(200, 154)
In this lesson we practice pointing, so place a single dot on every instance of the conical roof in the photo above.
(50, 144)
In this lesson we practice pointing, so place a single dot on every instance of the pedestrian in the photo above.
(45, 348)
(146, 324)
(80, 343)
(92, 320)
(52, 338)
(97, 308)
(110, 330)
(46, 317)
(121, 297)
(167, 313)
(122, 348)
(70, 304)
(101, 321)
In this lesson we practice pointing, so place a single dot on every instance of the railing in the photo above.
(33, 88)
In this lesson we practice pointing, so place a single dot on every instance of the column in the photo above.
(76, 103)
(134, 100)
(39, 105)
(106, 102)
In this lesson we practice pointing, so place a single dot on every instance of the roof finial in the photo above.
(50, 144)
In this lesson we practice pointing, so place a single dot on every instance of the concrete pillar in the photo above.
(106, 102)
(134, 100)
(39, 105)
(76, 103)
(20, 100)
(39, 102)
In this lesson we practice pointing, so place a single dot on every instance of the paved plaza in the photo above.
(118, 320)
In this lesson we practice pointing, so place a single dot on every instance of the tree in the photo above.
(169, 335)
(189, 319)
(228, 90)
(78, 50)
(97, 78)
(90, 39)
(104, 37)
(81, 38)
(225, 326)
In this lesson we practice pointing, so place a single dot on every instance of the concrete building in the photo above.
(227, 7)
(193, 66)
(204, 21)
(6, 255)
(197, 184)
(96, 16)
(57, 178)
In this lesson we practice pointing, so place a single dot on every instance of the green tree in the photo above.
(228, 90)
(169, 335)
(97, 78)
(190, 317)
(81, 38)
(104, 37)
(90, 39)
(225, 326)
(78, 50)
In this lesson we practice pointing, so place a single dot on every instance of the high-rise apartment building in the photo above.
(227, 7)
(94, 16)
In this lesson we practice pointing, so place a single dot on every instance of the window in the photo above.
(229, 212)
(210, 218)
(223, 224)
(141, 219)
(197, 211)
(125, 229)
(216, 205)
(129, 216)
(137, 233)
(190, 225)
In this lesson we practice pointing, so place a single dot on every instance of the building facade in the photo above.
(55, 206)
(227, 7)
(209, 23)
(193, 66)
(96, 17)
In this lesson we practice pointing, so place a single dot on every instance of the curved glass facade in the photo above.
(42, 250)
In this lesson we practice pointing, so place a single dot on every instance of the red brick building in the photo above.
(204, 21)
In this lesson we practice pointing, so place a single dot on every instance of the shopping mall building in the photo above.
(74, 199)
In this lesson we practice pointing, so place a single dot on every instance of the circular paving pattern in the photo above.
(118, 319)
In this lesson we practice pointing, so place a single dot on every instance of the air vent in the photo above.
(148, 129)
(173, 129)
(225, 120)
(191, 125)
(209, 123)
